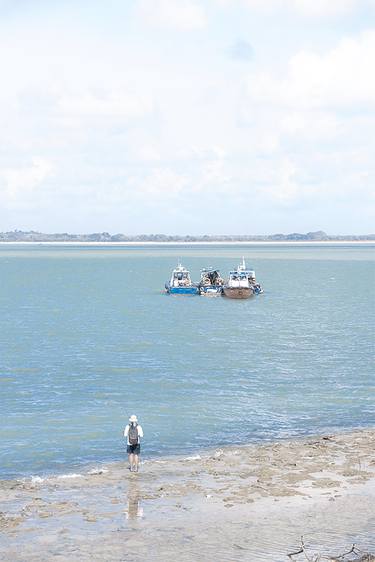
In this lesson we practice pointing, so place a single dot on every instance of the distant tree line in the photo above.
(319, 236)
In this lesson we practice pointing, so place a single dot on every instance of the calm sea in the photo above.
(88, 337)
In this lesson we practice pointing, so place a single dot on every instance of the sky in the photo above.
(187, 116)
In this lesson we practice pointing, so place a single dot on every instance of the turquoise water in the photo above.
(88, 337)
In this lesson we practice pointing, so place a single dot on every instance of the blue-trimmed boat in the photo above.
(180, 282)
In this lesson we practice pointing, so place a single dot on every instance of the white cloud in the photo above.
(21, 182)
(147, 153)
(214, 174)
(305, 8)
(312, 125)
(342, 77)
(286, 188)
(183, 15)
(161, 182)
(134, 119)
(200, 152)
(114, 104)
(325, 8)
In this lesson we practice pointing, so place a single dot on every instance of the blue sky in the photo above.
(187, 116)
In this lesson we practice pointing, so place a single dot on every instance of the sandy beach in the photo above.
(250, 503)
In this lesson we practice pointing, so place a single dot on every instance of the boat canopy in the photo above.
(210, 276)
(180, 277)
(238, 272)
(242, 272)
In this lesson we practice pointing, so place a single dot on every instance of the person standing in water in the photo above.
(133, 432)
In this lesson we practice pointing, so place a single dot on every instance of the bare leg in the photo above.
(131, 461)
(136, 462)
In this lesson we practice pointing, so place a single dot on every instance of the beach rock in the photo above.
(9, 521)
(44, 514)
(91, 518)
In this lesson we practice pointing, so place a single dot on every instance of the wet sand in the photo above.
(248, 503)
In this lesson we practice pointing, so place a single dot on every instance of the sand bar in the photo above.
(248, 503)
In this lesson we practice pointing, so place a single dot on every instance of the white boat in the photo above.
(241, 283)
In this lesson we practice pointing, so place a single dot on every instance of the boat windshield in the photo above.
(180, 278)
(181, 275)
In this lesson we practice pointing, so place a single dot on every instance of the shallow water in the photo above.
(88, 337)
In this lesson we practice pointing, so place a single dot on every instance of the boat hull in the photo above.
(182, 290)
(238, 292)
(211, 291)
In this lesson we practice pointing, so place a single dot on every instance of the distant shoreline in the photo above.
(195, 243)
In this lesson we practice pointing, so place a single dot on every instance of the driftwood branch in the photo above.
(353, 550)
(333, 558)
(303, 551)
(294, 553)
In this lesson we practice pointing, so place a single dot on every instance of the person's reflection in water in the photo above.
(134, 509)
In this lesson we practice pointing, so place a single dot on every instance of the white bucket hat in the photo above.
(133, 418)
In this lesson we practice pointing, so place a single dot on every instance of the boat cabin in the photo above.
(210, 277)
(241, 277)
(180, 277)
(238, 279)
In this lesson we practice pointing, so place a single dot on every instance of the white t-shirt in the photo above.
(140, 433)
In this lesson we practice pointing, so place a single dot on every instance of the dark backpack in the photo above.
(133, 434)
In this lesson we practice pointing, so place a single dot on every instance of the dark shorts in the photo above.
(133, 449)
